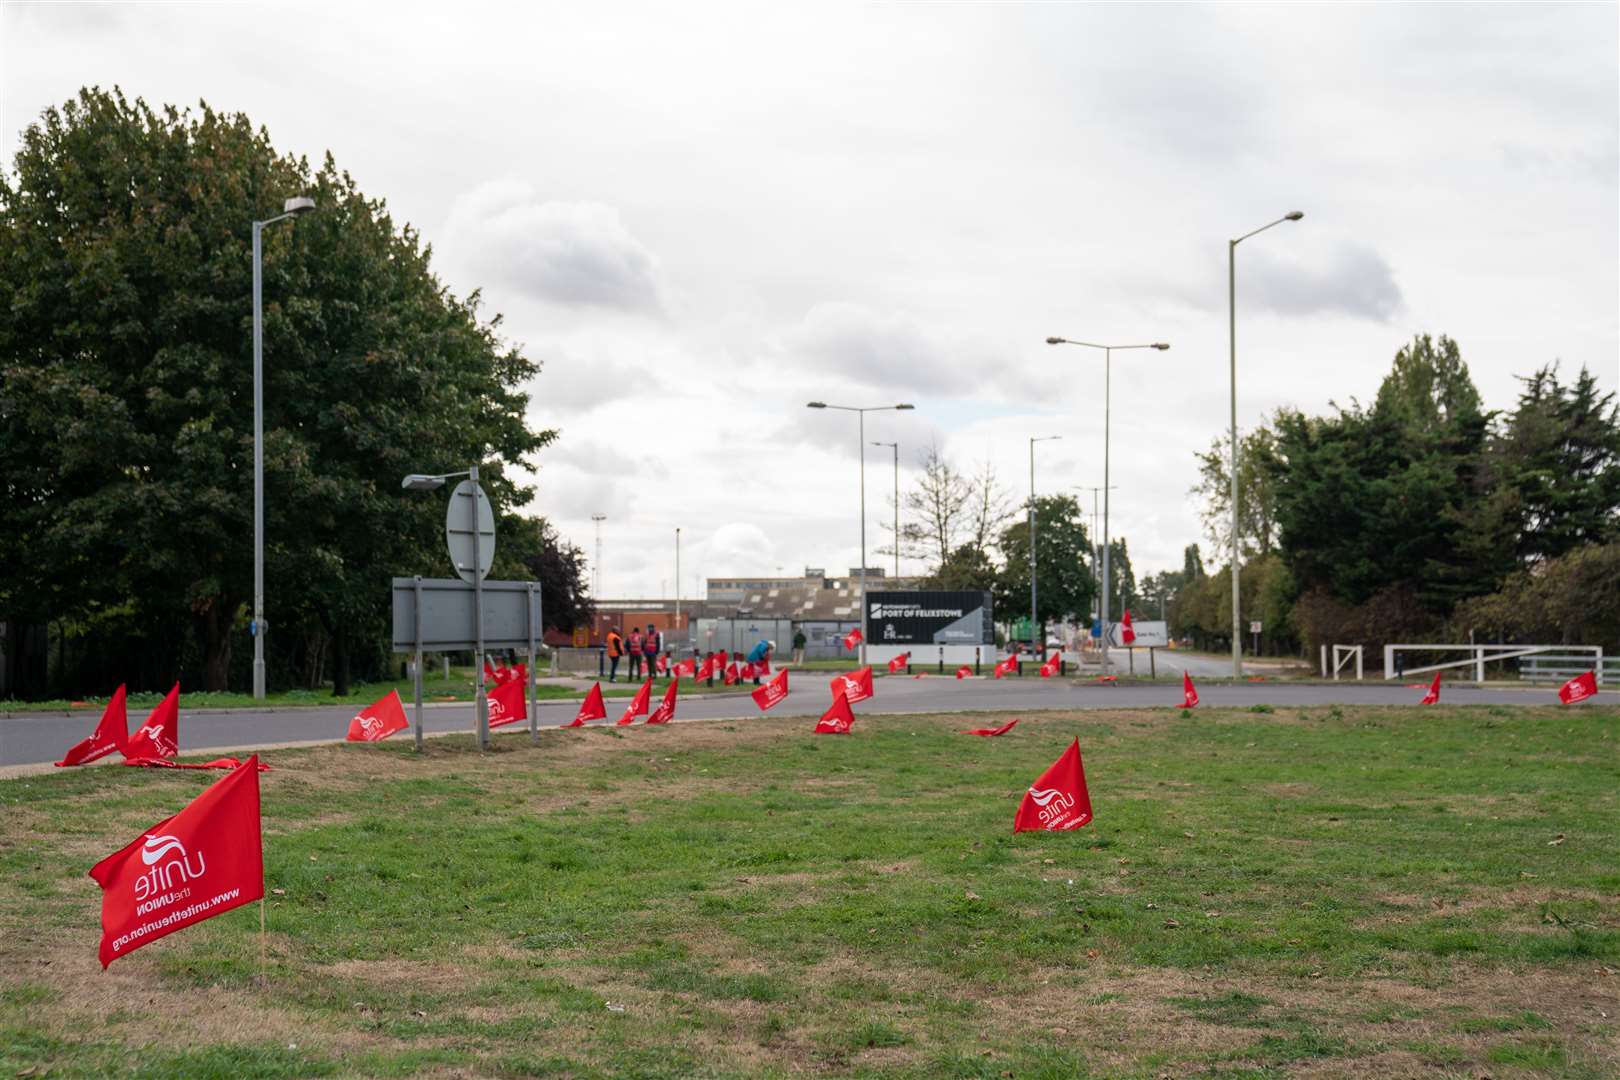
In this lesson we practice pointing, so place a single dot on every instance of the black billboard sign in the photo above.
(929, 618)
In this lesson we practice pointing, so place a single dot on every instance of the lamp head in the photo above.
(1161, 346)
(905, 408)
(298, 204)
(1293, 215)
(818, 405)
(1054, 341)
(418, 482)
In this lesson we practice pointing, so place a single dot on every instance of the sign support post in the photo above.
(531, 672)
(418, 664)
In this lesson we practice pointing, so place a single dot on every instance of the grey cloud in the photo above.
(573, 384)
(1350, 280)
(578, 254)
(876, 349)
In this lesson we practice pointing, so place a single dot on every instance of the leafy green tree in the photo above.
(967, 567)
(1124, 578)
(1065, 588)
(1257, 496)
(126, 435)
(1192, 563)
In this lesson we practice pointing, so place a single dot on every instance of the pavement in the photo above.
(28, 742)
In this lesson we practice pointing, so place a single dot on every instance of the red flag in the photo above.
(201, 862)
(853, 638)
(111, 733)
(666, 708)
(856, 686)
(592, 708)
(1058, 800)
(707, 670)
(506, 704)
(490, 676)
(1126, 634)
(899, 662)
(685, 667)
(837, 719)
(1108, 678)
(764, 665)
(1579, 688)
(165, 763)
(379, 720)
(1433, 696)
(725, 658)
(731, 675)
(663, 665)
(638, 705)
(159, 737)
(989, 732)
(1189, 693)
(748, 671)
(772, 692)
(964, 671)
(1006, 667)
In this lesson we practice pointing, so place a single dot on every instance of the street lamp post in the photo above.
(1108, 363)
(1096, 552)
(298, 204)
(896, 448)
(1037, 641)
(1231, 313)
(861, 412)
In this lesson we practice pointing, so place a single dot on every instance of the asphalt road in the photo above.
(27, 740)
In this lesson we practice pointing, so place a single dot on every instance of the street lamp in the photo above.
(432, 482)
(293, 207)
(1231, 312)
(861, 413)
(1108, 358)
(1036, 642)
(896, 448)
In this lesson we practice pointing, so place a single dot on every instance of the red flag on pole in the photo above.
(838, 718)
(772, 692)
(856, 686)
(1579, 688)
(506, 704)
(1058, 800)
(991, 732)
(731, 675)
(853, 638)
(638, 705)
(666, 708)
(764, 665)
(592, 708)
(725, 658)
(1126, 633)
(899, 662)
(685, 667)
(707, 670)
(490, 675)
(379, 720)
(663, 665)
(964, 671)
(1433, 696)
(1189, 693)
(201, 862)
(1006, 667)
(748, 671)
(111, 733)
(1050, 667)
(159, 737)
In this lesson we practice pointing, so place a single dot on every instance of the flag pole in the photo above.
(263, 948)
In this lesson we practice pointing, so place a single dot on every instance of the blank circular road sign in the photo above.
(459, 527)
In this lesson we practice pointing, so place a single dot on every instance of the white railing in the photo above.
(1481, 655)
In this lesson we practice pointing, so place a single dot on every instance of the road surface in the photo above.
(28, 740)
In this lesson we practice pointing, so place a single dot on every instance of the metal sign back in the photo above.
(467, 500)
(447, 614)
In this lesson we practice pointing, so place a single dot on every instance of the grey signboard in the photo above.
(511, 614)
(929, 618)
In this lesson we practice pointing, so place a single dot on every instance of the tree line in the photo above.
(126, 409)
(1420, 516)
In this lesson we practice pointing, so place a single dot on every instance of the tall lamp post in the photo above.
(896, 448)
(1231, 313)
(1096, 552)
(1108, 364)
(1037, 641)
(293, 207)
(861, 414)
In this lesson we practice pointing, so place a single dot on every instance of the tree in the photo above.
(990, 509)
(1557, 461)
(1257, 498)
(538, 553)
(1123, 578)
(126, 442)
(1192, 563)
(935, 509)
(968, 567)
(1065, 587)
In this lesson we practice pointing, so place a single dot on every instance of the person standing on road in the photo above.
(633, 651)
(798, 647)
(615, 649)
(651, 645)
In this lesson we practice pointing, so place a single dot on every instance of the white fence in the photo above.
(1342, 655)
(1482, 655)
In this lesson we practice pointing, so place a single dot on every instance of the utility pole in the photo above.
(596, 568)
(677, 577)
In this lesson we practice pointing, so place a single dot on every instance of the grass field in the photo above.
(1355, 892)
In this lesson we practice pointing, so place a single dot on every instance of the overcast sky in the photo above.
(699, 217)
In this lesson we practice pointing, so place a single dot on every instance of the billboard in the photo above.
(929, 618)
(1149, 634)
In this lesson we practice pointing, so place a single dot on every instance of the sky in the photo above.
(700, 217)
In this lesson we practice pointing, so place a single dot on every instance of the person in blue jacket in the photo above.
(760, 652)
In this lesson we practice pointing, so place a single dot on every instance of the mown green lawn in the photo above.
(1355, 892)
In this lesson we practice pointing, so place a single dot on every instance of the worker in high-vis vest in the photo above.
(615, 649)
